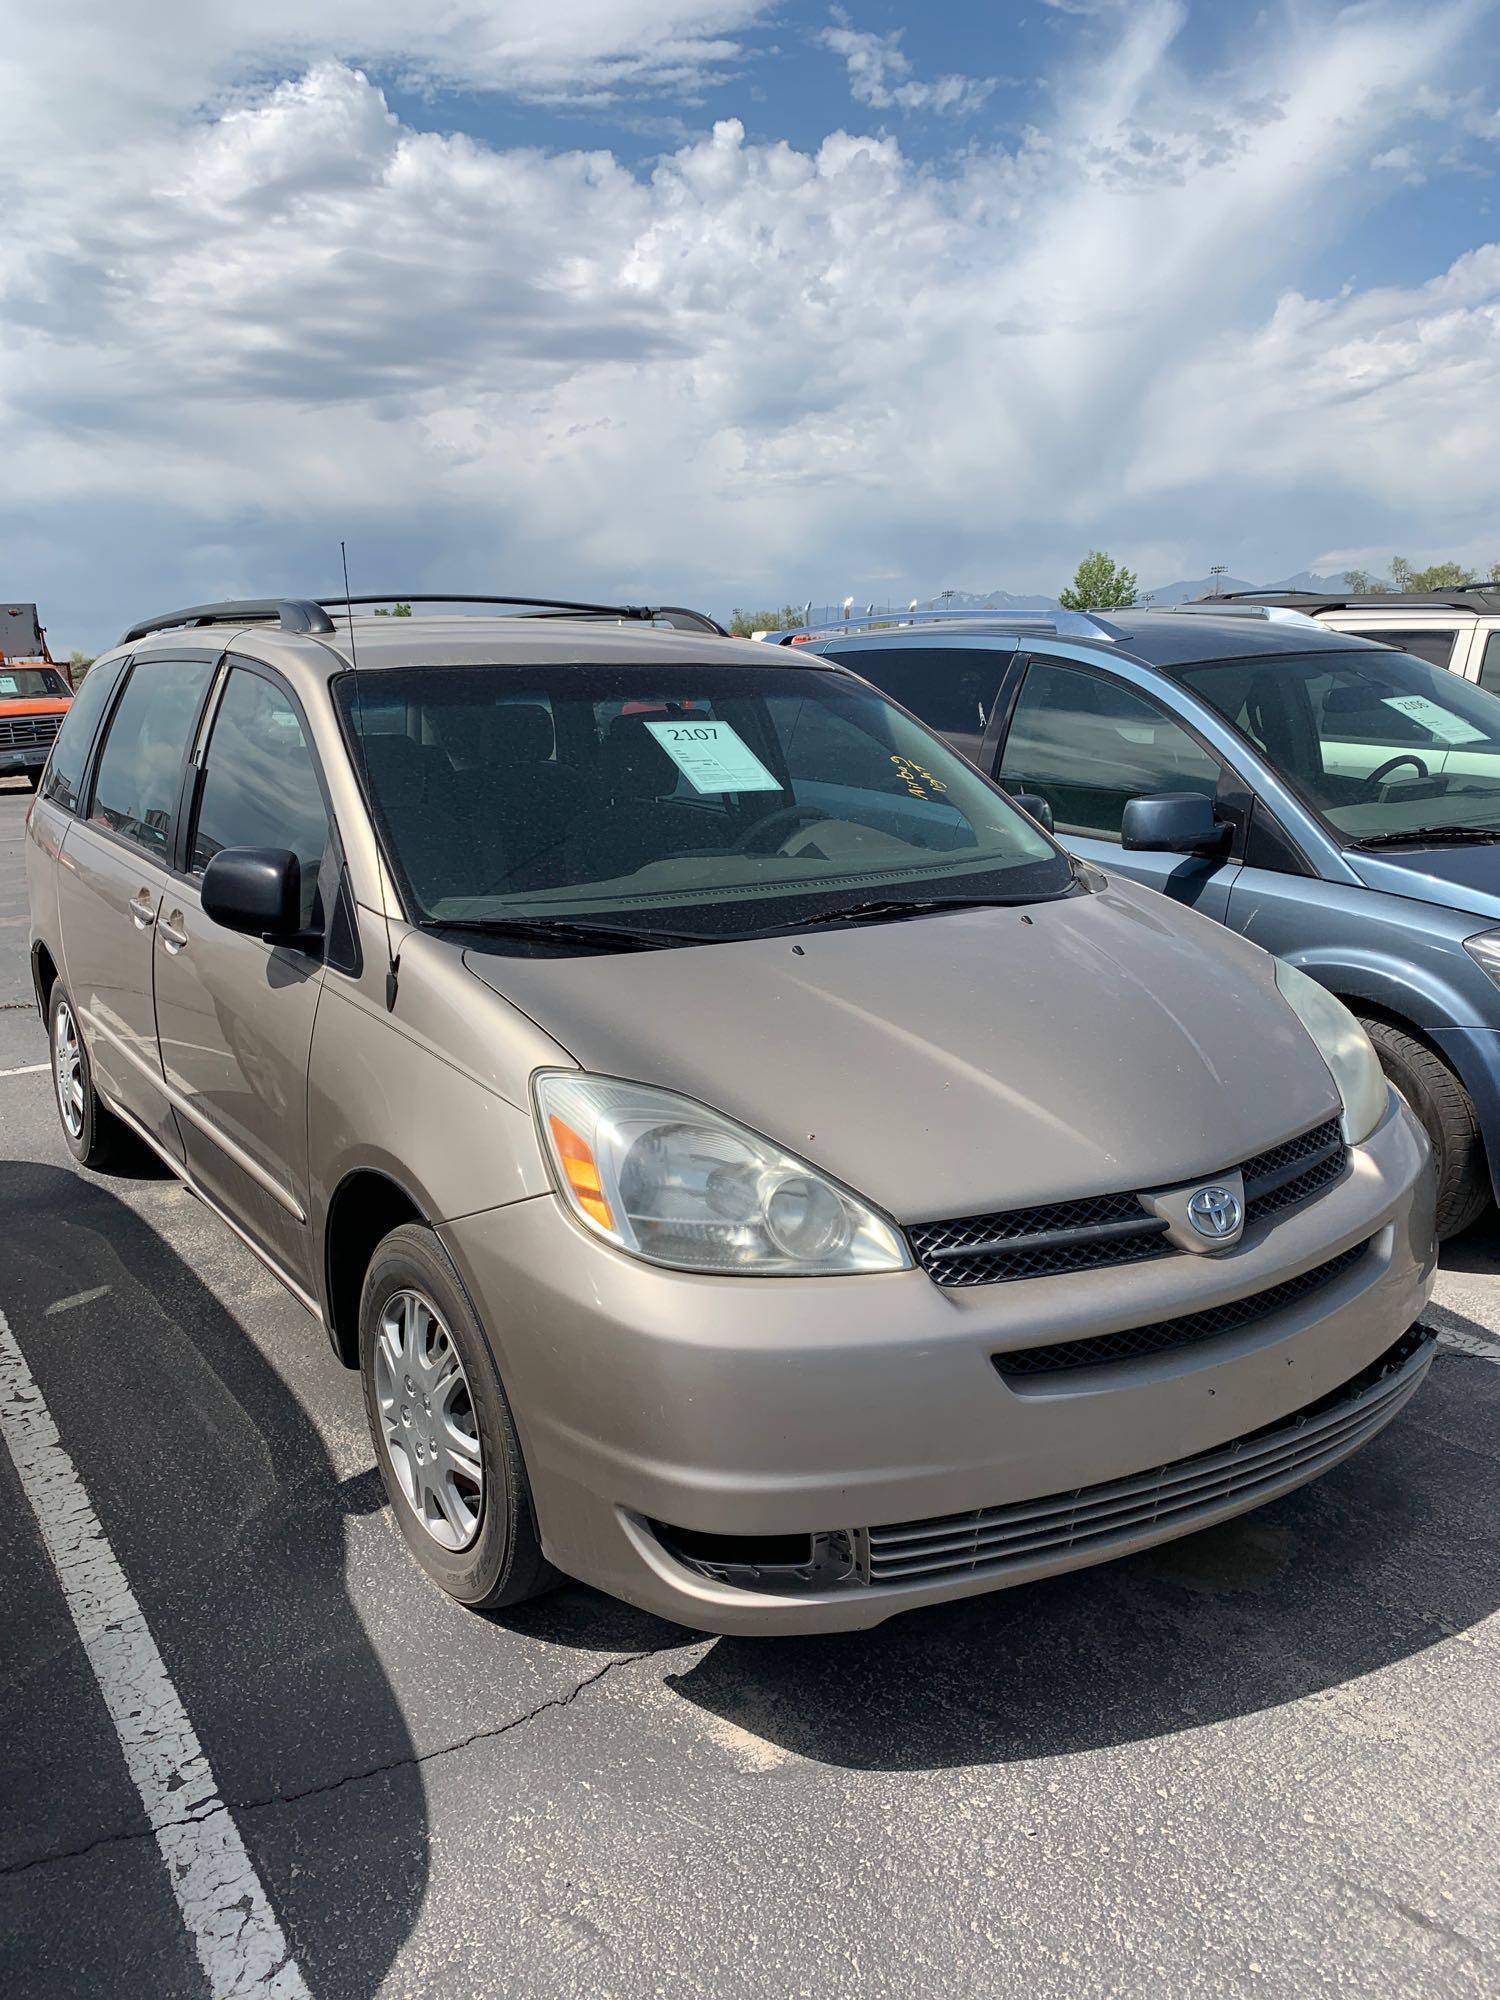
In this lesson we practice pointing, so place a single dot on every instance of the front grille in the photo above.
(1110, 1229)
(1132, 1342)
(24, 732)
(1293, 1172)
(991, 1540)
(1035, 1242)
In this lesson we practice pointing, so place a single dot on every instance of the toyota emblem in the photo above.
(1215, 1212)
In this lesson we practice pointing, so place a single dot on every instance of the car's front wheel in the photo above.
(1447, 1113)
(444, 1438)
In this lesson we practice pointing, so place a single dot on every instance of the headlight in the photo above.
(1485, 952)
(1343, 1045)
(669, 1180)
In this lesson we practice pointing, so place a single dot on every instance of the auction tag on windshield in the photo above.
(713, 757)
(9, 684)
(1444, 724)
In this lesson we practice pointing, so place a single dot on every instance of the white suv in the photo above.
(1459, 629)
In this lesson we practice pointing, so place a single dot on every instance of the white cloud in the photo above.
(228, 334)
(1401, 161)
(880, 74)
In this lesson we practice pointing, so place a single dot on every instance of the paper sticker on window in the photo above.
(713, 757)
(9, 684)
(1444, 724)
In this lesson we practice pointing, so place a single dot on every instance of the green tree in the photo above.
(78, 666)
(396, 611)
(1441, 576)
(743, 623)
(1100, 584)
(1403, 577)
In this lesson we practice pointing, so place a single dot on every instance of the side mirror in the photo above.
(257, 890)
(1036, 805)
(1174, 823)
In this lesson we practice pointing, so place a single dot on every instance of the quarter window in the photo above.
(140, 771)
(1088, 746)
(949, 689)
(260, 787)
(76, 737)
(1489, 666)
(1435, 647)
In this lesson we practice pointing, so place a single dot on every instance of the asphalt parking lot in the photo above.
(1261, 1761)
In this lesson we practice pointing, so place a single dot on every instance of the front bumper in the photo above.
(29, 757)
(787, 1407)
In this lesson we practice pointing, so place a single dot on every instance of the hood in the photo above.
(950, 1065)
(40, 704)
(1457, 878)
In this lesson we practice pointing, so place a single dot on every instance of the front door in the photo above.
(1088, 744)
(116, 867)
(235, 1015)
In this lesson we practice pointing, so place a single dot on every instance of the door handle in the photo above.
(143, 909)
(172, 932)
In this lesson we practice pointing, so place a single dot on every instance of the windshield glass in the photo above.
(702, 800)
(30, 683)
(1377, 742)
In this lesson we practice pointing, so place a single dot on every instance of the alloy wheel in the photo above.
(67, 1070)
(428, 1421)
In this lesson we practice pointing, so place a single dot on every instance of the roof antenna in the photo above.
(393, 957)
(353, 652)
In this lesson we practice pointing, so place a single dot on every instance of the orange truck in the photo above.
(34, 694)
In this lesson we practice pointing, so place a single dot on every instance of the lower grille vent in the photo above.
(1133, 1341)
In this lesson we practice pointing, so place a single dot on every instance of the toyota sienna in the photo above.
(754, 1169)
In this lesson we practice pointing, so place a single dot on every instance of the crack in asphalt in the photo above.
(237, 1806)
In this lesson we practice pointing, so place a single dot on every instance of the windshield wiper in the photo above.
(898, 906)
(1430, 836)
(562, 930)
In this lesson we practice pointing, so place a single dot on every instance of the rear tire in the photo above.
(1447, 1112)
(91, 1132)
(478, 1539)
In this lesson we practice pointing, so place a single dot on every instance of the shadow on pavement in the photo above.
(1388, 1554)
(227, 1516)
(1478, 1250)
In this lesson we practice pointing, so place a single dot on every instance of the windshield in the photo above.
(702, 800)
(30, 683)
(1379, 743)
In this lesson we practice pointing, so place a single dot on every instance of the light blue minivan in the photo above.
(1335, 800)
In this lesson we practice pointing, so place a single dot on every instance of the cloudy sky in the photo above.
(725, 301)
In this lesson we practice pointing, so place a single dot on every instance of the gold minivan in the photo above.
(754, 1168)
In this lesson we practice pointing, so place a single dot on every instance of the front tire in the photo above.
(444, 1438)
(1446, 1111)
(91, 1132)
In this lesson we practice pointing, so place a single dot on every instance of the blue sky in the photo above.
(725, 301)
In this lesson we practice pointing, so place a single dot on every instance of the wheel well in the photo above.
(43, 976)
(365, 1209)
(1371, 1010)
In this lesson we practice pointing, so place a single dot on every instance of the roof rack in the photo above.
(1457, 597)
(1066, 624)
(292, 614)
(1220, 607)
(560, 607)
(303, 614)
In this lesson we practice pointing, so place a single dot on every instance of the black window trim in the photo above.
(165, 861)
(190, 796)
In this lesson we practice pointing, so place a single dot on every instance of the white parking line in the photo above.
(77, 1299)
(26, 1069)
(239, 1943)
